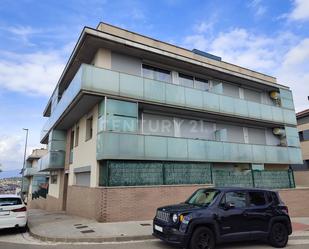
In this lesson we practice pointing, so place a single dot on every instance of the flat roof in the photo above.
(302, 114)
(112, 34)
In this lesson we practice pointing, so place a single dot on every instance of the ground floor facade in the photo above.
(121, 160)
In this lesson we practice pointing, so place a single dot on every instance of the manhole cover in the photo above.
(145, 224)
(80, 227)
(88, 231)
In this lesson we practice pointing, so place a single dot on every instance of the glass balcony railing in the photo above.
(53, 160)
(111, 145)
(93, 79)
(30, 172)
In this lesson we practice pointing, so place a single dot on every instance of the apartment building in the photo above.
(135, 123)
(302, 170)
(36, 181)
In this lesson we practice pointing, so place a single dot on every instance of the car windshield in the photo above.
(203, 197)
(9, 201)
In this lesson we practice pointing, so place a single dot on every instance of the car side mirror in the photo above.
(229, 205)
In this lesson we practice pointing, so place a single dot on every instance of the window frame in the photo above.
(194, 80)
(231, 191)
(156, 70)
(89, 128)
(257, 191)
(53, 177)
(76, 142)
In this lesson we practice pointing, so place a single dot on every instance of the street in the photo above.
(11, 239)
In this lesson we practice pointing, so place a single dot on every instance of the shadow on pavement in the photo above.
(231, 245)
(12, 231)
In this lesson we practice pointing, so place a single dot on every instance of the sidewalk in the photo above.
(59, 227)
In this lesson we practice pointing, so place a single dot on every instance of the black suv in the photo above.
(215, 215)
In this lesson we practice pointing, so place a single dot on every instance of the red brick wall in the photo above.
(109, 204)
(84, 201)
(39, 203)
(297, 201)
(124, 203)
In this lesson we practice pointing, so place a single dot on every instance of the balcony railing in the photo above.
(99, 80)
(53, 160)
(111, 145)
(30, 172)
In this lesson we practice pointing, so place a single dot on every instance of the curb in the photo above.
(91, 239)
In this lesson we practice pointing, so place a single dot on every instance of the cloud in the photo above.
(257, 7)
(196, 41)
(204, 26)
(31, 73)
(22, 33)
(300, 11)
(294, 71)
(283, 55)
(11, 150)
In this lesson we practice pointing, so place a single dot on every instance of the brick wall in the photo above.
(297, 201)
(124, 203)
(53, 203)
(139, 203)
(84, 201)
(39, 203)
(301, 178)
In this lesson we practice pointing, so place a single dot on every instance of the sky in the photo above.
(37, 37)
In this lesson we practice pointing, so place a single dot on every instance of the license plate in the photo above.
(158, 228)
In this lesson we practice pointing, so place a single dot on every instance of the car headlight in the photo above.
(175, 218)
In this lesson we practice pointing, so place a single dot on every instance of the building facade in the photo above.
(302, 170)
(36, 181)
(135, 123)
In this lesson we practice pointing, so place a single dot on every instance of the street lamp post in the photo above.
(24, 163)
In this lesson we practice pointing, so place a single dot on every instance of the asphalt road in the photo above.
(11, 239)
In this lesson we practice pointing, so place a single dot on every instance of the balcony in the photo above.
(30, 172)
(53, 160)
(112, 145)
(102, 81)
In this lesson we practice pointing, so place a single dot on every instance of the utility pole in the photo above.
(24, 163)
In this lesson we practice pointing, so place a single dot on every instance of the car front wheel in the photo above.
(203, 238)
(278, 236)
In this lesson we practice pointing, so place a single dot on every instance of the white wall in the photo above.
(126, 64)
(85, 153)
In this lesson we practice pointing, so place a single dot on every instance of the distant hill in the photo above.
(10, 173)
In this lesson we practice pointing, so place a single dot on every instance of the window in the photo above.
(156, 73)
(53, 177)
(257, 199)
(237, 198)
(7, 201)
(72, 140)
(201, 84)
(190, 81)
(304, 135)
(89, 129)
(185, 80)
(231, 90)
(256, 136)
(158, 125)
(273, 197)
(252, 95)
(203, 197)
(77, 136)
